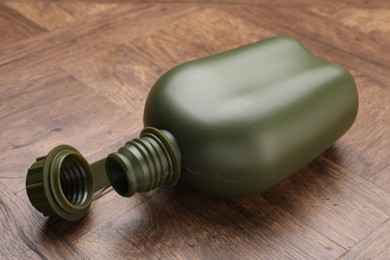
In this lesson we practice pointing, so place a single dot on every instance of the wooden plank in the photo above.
(338, 43)
(50, 110)
(277, 3)
(382, 178)
(325, 29)
(105, 208)
(115, 246)
(25, 234)
(126, 72)
(58, 14)
(15, 27)
(120, 75)
(61, 46)
(333, 201)
(181, 223)
(371, 247)
(374, 23)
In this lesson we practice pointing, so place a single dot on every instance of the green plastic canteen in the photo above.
(245, 119)
(230, 125)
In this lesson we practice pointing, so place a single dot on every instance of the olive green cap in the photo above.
(61, 184)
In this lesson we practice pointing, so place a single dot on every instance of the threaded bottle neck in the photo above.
(145, 163)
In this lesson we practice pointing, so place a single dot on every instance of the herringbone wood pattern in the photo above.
(78, 72)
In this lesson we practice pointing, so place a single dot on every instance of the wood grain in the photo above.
(79, 72)
(58, 14)
(371, 246)
(15, 27)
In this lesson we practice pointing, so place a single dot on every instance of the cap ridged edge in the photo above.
(35, 187)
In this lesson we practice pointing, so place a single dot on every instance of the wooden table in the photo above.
(78, 72)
